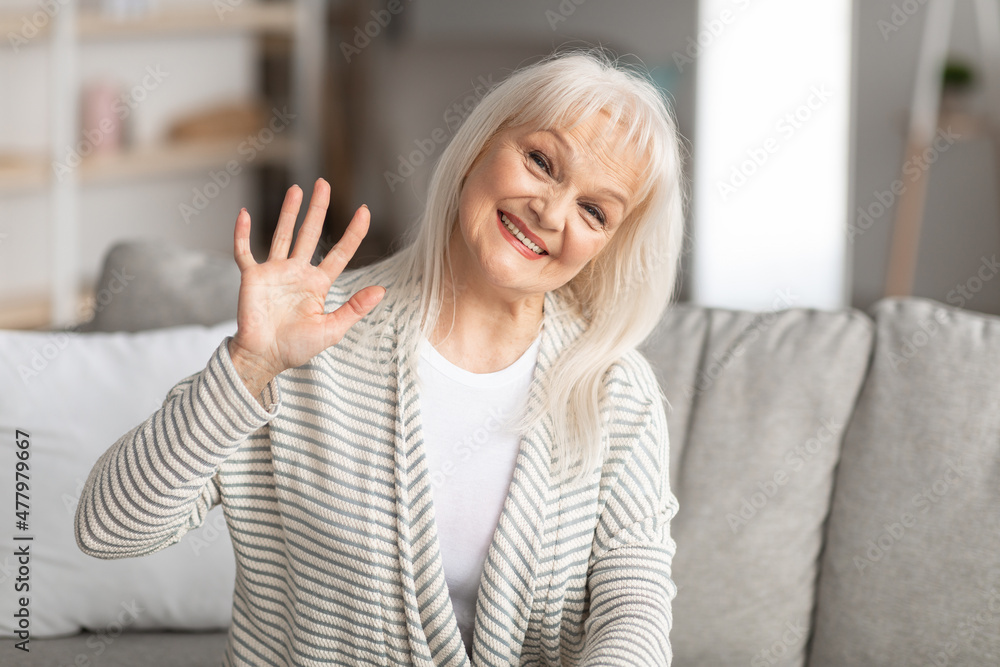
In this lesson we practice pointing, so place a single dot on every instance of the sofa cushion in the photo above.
(112, 648)
(154, 284)
(74, 395)
(758, 404)
(911, 574)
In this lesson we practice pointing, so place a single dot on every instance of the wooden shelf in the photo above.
(965, 125)
(32, 173)
(34, 312)
(22, 173)
(275, 17)
(11, 23)
(264, 17)
(179, 158)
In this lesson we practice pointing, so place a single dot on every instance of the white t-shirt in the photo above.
(471, 454)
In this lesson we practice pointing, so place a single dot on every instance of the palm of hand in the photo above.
(281, 318)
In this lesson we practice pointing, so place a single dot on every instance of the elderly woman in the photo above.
(454, 456)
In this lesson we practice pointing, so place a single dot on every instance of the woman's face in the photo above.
(567, 191)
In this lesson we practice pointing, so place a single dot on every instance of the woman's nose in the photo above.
(551, 210)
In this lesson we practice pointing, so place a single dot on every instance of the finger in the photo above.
(286, 223)
(312, 226)
(339, 321)
(241, 241)
(340, 254)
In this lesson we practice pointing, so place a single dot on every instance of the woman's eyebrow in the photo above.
(558, 134)
(561, 138)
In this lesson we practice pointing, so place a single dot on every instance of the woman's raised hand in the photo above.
(280, 318)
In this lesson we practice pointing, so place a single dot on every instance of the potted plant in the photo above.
(958, 82)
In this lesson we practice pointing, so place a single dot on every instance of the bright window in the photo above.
(771, 153)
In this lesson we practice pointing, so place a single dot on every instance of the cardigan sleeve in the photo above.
(159, 480)
(629, 579)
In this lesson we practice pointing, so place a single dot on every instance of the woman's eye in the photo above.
(595, 212)
(539, 159)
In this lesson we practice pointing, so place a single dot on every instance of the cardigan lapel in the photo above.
(431, 624)
(506, 590)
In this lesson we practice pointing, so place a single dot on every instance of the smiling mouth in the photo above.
(512, 228)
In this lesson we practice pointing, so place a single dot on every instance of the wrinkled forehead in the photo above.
(598, 127)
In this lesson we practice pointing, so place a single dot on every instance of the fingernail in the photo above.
(366, 206)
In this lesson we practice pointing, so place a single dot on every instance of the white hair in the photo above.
(623, 292)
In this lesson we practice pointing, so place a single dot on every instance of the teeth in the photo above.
(521, 237)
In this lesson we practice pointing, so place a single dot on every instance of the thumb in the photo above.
(373, 295)
(367, 299)
(350, 313)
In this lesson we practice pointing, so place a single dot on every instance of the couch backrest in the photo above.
(911, 574)
(758, 406)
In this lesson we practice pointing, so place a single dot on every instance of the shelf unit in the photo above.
(927, 115)
(303, 21)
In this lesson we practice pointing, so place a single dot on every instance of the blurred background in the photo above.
(160, 119)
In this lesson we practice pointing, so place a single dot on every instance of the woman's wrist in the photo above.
(255, 376)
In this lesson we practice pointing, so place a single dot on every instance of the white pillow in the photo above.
(76, 394)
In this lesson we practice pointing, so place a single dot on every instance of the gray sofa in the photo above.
(838, 475)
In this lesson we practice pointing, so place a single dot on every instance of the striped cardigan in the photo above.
(328, 501)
